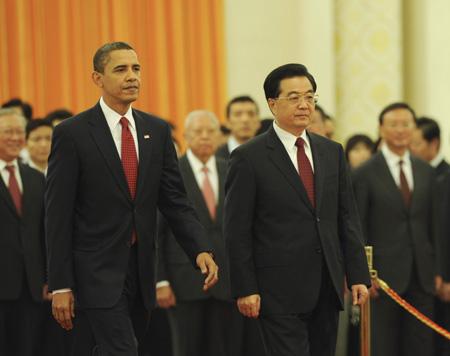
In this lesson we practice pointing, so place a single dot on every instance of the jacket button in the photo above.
(317, 219)
(318, 250)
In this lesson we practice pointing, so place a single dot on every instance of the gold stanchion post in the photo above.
(364, 330)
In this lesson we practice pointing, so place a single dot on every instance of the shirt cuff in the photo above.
(65, 290)
(162, 284)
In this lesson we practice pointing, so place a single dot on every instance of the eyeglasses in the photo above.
(295, 99)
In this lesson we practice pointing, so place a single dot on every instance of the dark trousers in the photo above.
(306, 334)
(206, 327)
(397, 333)
(56, 341)
(21, 326)
(109, 331)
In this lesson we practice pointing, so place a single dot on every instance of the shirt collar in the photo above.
(392, 158)
(232, 143)
(113, 117)
(437, 160)
(198, 165)
(3, 164)
(289, 139)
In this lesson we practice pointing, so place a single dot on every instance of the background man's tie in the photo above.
(404, 187)
(14, 190)
(208, 194)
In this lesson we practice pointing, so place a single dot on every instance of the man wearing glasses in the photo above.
(291, 225)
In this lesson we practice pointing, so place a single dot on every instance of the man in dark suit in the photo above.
(242, 115)
(291, 225)
(395, 196)
(22, 244)
(202, 324)
(426, 144)
(110, 168)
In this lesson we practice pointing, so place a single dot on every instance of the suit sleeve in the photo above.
(62, 181)
(240, 195)
(176, 208)
(350, 232)
(163, 230)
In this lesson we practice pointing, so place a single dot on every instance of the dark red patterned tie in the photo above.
(305, 170)
(129, 161)
(14, 190)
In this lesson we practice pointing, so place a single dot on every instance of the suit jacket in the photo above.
(223, 152)
(278, 242)
(174, 264)
(403, 238)
(90, 214)
(443, 187)
(22, 244)
(442, 170)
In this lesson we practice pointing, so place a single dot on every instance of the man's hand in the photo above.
(207, 265)
(444, 292)
(249, 306)
(437, 283)
(46, 296)
(373, 291)
(63, 309)
(165, 297)
(359, 294)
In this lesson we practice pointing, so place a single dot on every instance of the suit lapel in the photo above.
(222, 172)
(319, 166)
(144, 137)
(101, 134)
(27, 200)
(418, 181)
(6, 196)
(280, 158)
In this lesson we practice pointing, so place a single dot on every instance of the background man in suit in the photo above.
(425, 144)
(243, 120)
(110, 168)
(291, 225)
(394, 193)
(39, 140)
(202, 324)
(22, 245)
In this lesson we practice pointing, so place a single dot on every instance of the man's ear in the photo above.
(272, 106)
(97, 78)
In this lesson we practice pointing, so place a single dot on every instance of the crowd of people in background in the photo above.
(401, 184)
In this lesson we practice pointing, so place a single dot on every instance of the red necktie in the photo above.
(129, 162)
(404, 187)
(14, 190)
(305, 170)
(208, 194)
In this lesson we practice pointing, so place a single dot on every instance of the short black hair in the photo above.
(35, 124)
(272, 82)
(240, 99)
(322, 112)
(429, 127)
(101, 55)
(59, 114)
(357, 139)
(395, 106)
(27, 109)
(225, 130)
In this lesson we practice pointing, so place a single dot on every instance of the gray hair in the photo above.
(13, 112)
(198, 113)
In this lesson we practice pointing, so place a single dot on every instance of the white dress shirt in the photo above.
(113, 120)
(393, 160)
(288, 140)
(5, 173)
(197, 168)
(232, 143)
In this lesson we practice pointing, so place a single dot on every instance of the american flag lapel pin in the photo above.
(146, 137)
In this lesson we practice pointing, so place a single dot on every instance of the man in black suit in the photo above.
(426, 144)
(22, 244)
(291, 225)
(110, 169)
(242, 115)
(202, 324)
(395, 195)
